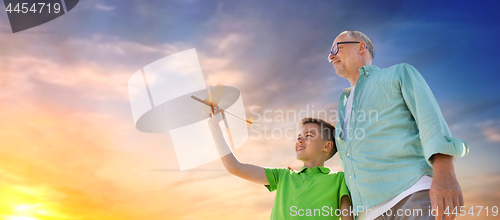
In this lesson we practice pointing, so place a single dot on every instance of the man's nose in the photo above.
(331, 57)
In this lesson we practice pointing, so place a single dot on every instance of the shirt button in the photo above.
(347, 154)
(350, 177)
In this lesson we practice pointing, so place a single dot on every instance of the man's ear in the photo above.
(362, 47)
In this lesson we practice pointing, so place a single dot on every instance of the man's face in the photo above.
(309, 144)
(346, 58)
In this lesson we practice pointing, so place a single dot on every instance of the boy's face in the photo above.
(309, 144)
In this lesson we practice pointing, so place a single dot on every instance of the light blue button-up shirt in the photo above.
(395, 127)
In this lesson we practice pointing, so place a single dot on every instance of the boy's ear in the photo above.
(328, 146)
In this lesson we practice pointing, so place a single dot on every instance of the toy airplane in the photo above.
(212, 100)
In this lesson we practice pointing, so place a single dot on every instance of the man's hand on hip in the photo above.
(445, 191)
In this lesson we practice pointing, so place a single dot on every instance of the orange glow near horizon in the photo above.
(20, 218)
(62, 171)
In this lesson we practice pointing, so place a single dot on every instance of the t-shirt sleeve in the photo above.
(343, 191)
(273, 176)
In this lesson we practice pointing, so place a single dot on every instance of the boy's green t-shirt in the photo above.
(306, 194)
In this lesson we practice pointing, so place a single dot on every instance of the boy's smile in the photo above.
(301, 147)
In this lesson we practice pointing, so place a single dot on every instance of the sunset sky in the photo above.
(69, 148)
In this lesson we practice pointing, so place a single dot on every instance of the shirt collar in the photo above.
(324, 170)
(347, 91)
(367, 68)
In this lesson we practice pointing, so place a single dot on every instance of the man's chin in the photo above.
(340, 72)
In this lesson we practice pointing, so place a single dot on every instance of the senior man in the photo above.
(394, 144)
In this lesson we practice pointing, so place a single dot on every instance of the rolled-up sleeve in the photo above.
(434, 132)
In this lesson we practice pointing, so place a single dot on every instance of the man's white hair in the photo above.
(358, 35)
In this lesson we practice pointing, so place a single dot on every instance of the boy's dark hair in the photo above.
(327, 132)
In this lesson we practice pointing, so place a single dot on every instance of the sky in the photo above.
(69, 148)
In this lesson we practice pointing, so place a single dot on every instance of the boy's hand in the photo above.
(216, 117)
(213, 123)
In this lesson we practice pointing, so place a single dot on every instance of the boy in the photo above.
(314, 192)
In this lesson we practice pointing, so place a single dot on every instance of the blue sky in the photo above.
(452, 43)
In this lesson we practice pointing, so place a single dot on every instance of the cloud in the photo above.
(219, 55)
(72, 146)
(218, 70)
(492, 134)
(490, 129)
(104, 7)
(26, 73)
(99, 67)
(95, 68)
(457, 113)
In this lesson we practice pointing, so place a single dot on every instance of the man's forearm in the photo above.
(445, 192)
(443, 164)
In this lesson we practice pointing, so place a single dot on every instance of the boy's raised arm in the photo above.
(249, 172)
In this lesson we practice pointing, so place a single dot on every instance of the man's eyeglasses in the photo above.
(335, 48)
